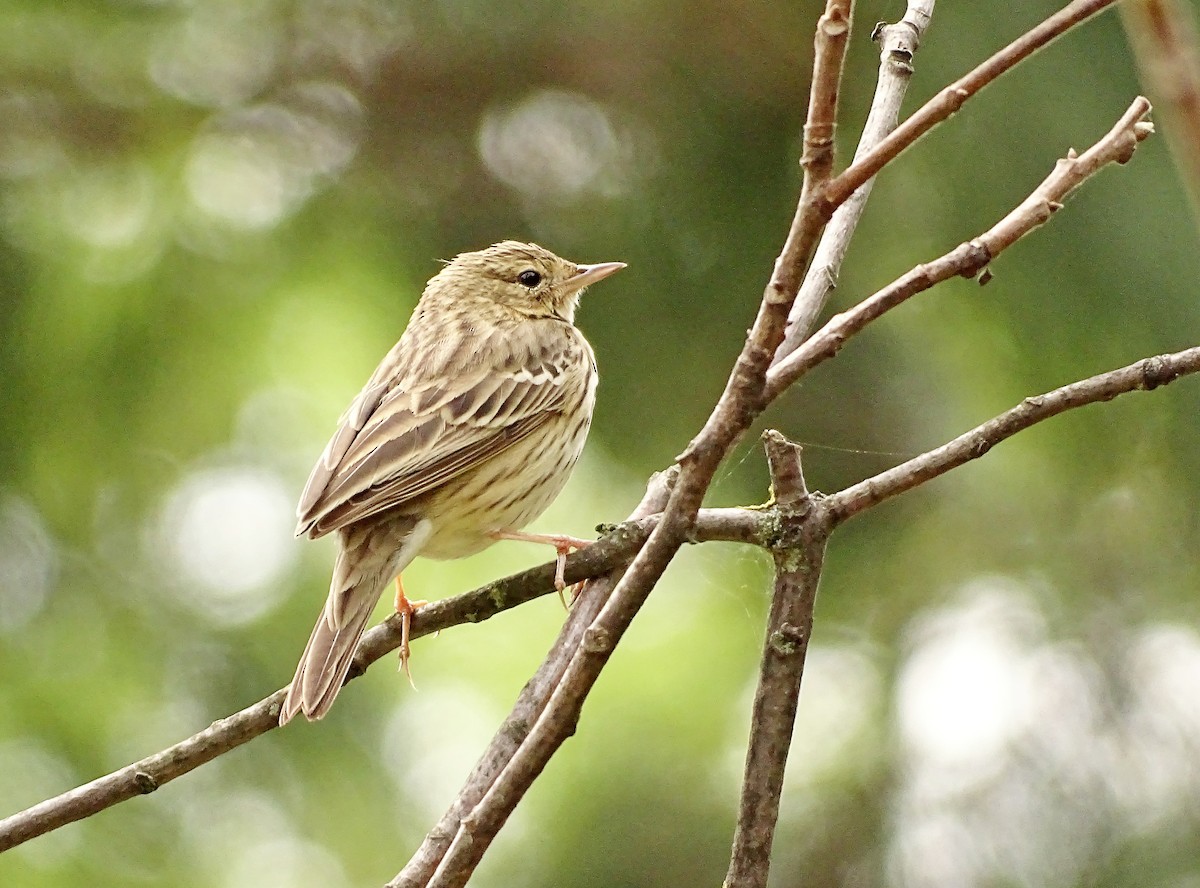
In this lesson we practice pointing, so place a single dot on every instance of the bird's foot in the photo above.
(405, 607)
(563, 546)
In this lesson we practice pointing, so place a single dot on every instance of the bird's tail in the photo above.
(369, 557)
(330, 650)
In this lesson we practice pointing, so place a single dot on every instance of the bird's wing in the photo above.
(428, 415)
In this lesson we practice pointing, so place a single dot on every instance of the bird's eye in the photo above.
(529, 278)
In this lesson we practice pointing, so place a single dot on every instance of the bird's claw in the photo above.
(406, 608)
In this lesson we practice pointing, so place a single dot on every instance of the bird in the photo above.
(466, 432)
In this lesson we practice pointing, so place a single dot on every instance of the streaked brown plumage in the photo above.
(468, 428)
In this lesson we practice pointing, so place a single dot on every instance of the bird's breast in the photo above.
(511, 489)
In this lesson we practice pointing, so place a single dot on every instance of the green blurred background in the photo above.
(215, 217)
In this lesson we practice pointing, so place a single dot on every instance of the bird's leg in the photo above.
(405, 608)
(563, 545)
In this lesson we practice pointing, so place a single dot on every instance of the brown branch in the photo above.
(141, 777)
(1144, 375)
(968, 259)
(1163, 34)
(730, 419)
(148, 774)
(529, 707)
(798, 554)
(898, 46)
(742, 399)
(950, 99)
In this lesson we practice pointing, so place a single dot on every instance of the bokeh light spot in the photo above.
(843, 689)
(358, 33)
(960, 694)
(433, 740)
(237, 179)
(553, 145)
(253, 166)
(109, 207)
(28, 564)
(221, 53)
(29, 140)
(228, 533)
(284, 863)
(1155, 773)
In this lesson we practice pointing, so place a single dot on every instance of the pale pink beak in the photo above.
(589, 274)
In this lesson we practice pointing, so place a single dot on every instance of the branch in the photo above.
(1164, 40)
(1144, 375)
(757, 527)
(529, 707)
(742, 400)
(898, 46)
(798, 556)
(968, 259)
(837, 191)
(950, 99)
(615, 549)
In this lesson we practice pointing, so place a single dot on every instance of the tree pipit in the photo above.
(465, 433)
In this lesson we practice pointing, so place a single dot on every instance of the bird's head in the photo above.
(523, 278)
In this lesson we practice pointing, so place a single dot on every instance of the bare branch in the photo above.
(148, 774)
(742, 399)
(753, 526)
(1163, 34)
(898, 46)
(969, 258)
(950, 99)
(529, 707)
(141, 777)
(798, 554)
(1144, 375)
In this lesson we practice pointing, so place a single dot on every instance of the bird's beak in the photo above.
(589, 274)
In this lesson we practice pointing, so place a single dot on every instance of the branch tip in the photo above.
(787, 473)
(1143, 375)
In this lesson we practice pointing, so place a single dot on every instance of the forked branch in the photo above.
(970, 258)
(898, 45)
(798, 553)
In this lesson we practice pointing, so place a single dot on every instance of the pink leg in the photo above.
(562, 544)
(405, 608)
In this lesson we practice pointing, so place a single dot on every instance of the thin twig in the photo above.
(742, 399)
(1163, 34)
(798, 555)
(1143, 375)
(898, 46)
(950, 99)
(968, 259)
